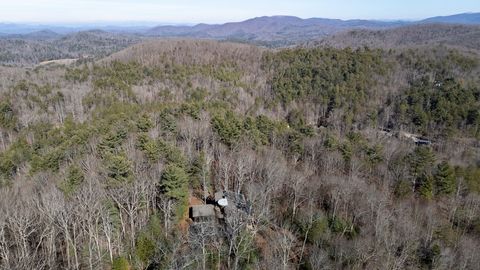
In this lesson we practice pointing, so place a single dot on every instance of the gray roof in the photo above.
(207, 210)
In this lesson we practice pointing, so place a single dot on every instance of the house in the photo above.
(202, 213)
(420, 141)
(417, 139)
(218, 208)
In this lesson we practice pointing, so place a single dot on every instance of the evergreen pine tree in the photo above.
(426, 186)
(445, 179)
(174, 182)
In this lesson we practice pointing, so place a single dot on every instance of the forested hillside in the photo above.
(101, 160)
(31, 49)
(463, 37)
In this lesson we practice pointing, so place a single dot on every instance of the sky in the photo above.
(219, 11)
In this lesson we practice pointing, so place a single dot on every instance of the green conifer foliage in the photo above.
(445, 179)
(119, 168)
(8, 119)
(175, 182)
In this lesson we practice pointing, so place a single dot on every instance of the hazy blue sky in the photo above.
(215, 11)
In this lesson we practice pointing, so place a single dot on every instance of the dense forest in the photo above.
(460, 36)
(101, 160)
(31, 49)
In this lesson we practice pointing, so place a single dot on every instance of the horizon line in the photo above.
(138, 23)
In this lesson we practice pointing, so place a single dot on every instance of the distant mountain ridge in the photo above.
(37, 35)
(272, 31)
(294, 29)
(276, 28)
(42, 43)
(464, 18)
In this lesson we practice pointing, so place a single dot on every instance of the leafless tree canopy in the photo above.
(346, 158)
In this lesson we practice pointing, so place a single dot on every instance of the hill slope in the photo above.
(31, 49)
(460, 36)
